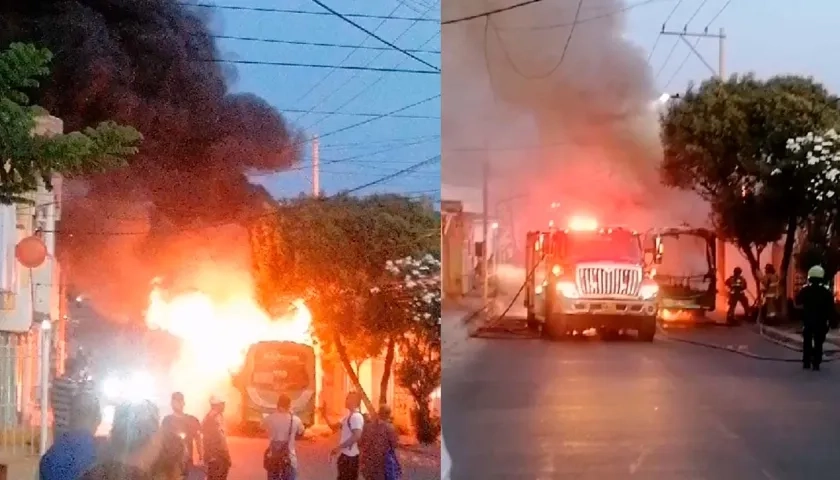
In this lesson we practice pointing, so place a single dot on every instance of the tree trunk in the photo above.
(386, 373)
(754, 260)
(787, 255)
(351, 372)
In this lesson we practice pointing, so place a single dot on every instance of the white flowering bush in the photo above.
(814, 161)
(419, 281)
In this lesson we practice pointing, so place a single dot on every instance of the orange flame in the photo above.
(215, 335)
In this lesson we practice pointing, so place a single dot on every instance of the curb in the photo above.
(793, 340)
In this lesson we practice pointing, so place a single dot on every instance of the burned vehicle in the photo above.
(685, 272)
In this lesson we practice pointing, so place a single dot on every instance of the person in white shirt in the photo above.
(283, 428)
(348, 447)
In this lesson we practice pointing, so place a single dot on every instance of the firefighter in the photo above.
(737, 286)
(770, 289)
(817, 305)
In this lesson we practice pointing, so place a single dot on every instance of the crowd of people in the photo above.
(142, 446)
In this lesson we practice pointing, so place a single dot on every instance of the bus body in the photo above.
(271, 369)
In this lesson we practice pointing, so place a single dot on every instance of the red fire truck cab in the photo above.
(589, 277)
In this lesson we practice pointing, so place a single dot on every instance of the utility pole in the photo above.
(720, 73)
(485, 228)
(316, 170)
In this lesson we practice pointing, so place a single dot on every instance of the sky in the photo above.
(358, 155)
(767, 37)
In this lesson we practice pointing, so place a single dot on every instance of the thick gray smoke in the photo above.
(151, 64)
(583, 134)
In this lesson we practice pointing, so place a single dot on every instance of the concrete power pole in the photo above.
(720, 73)
(316, 168)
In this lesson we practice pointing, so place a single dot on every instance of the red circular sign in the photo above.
(31, 252)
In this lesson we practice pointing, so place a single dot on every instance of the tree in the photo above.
(814, 162)
(719, 138)
(419, 283)
(31, 159)
(330, 251)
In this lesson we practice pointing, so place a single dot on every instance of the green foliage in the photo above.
(30, 159)
(724, 139)
(332, 252)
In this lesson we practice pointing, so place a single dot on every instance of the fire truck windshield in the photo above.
(606, 247)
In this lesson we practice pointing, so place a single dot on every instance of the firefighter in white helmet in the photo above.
(816, 303)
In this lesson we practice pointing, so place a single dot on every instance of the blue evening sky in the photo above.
(767, 37)
(358, 155)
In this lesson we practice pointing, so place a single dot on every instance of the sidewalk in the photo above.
(792, 335)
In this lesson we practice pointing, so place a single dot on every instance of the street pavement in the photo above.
(589, 409)
(246, 453)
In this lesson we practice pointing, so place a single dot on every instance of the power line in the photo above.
(665, 23)
(305, 12)
(355, 114)
(693, 15)
(680, 66)
(719, 13)
(491, 12)
(562, 55)
(386, 42)
(369, 86)
(316, 44)
(667, 57)
(587, 19)
(323, 79)
(378, 181)
(315, 65)
(373, 119)
(396, 174)
(354, 75)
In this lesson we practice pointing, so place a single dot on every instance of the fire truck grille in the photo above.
(609, 281)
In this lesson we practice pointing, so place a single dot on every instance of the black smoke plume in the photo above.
(154, 65)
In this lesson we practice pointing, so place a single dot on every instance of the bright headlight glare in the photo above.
(567, 289)
(112, 388)
(648, 291)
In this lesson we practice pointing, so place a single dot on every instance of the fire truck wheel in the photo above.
(647, 330)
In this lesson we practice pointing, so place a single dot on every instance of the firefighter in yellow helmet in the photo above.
(817, 305)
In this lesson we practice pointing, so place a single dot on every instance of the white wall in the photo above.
(16, 223)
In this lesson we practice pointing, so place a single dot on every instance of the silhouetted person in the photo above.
(737, 287)
(817, 304)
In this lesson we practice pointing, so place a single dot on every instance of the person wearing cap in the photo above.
(216, 452)
(817, 304)
(186, 428)
(64, 389)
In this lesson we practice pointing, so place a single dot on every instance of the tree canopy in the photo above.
(31, 159)
(724, 139)
(333, 252)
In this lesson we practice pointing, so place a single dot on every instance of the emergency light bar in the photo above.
(583, 224)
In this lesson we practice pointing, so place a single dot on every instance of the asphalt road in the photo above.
(533, 409)
(246, 454)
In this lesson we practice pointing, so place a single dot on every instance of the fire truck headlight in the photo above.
(567, 289)
(648, 291)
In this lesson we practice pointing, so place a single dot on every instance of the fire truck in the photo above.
(590, 277)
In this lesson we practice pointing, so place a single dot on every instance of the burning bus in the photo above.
(272, 368)
(589, 277)
(685, 272)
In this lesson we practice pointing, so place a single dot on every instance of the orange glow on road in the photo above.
(676, 315)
